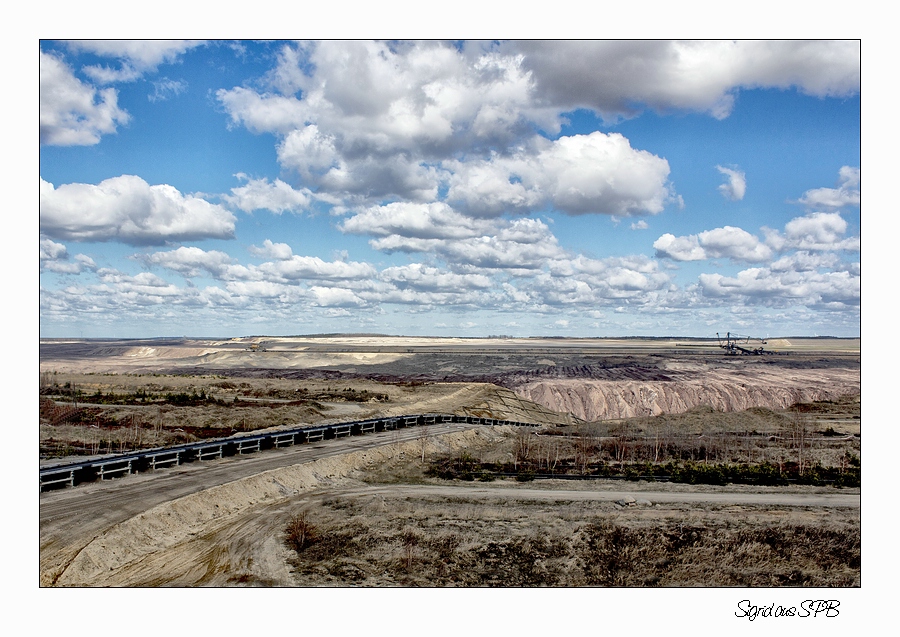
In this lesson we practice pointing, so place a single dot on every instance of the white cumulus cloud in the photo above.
(846, 194)
(130, 210)
(679, 248)
(819, 231)
(335, 297)
(736, 186)
(521, 244)
(54, 257)
(136, 57)
(733, 243)
(618, 78)
(416, 220)
(279, 251)
(261, 194)
(191, 261)
(767, 287)
(50, 250)
(595, 173)
(428, 278)
(313, 268)
(73, 113)
(726, 242)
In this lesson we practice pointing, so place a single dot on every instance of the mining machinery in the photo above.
(735, 344)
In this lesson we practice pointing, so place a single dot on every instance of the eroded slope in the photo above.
(731, 388)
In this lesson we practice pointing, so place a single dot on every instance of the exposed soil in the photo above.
(159, 546)
(430, 533)
(237, 405)
(734, 387)
(380, 520)
(571, 380)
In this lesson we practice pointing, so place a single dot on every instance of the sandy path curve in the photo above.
(71, 519)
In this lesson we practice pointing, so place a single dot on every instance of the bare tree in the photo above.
(395, 441)
(410, 540)
(799, 432)
(523, 446)
(620, 440)
(548, 452)
(656, 445)
(423, 437)
(46, 380)
(584, 446)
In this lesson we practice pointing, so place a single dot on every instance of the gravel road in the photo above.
(725, 496)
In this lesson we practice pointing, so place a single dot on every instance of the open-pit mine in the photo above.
(372, 460)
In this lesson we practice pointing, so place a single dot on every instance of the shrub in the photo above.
(525, 476)
(300, 532)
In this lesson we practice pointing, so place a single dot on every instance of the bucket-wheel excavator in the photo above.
(735, 344)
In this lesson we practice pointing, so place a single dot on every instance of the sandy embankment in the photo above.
(723, 390)
(215, 355)
(130, 553)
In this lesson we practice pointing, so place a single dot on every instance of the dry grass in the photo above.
(824, 434)
(431, 541)
(261, 403)
(460, 542)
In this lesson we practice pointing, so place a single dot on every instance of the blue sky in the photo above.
(225, 188)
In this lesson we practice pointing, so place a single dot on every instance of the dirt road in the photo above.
(725, 496)
(205, 524)
(71, 518)
(246, 548)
